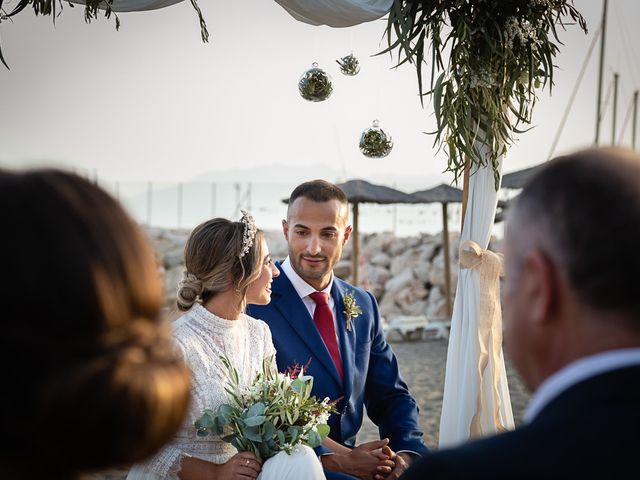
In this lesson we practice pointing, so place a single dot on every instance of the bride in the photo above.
(227, 265)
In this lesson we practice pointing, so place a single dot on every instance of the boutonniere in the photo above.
(351, 309)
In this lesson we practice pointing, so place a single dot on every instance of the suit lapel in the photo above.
(295, 312)
(346, 338)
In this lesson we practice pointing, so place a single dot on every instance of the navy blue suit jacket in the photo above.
(371, 376)
(588, 431)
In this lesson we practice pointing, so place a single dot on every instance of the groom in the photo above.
(315, 316)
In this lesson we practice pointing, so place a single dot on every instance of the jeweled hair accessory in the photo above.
(250, 231)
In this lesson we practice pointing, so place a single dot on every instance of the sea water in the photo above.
(185, 205)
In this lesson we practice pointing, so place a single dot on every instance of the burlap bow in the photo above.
(490, 267)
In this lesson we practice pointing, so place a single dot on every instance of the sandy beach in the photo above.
(422, 364)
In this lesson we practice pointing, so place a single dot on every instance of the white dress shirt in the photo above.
(303, 290)
(575, 373)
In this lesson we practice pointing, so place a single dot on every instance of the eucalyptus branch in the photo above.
(91, 9)
(488, 58)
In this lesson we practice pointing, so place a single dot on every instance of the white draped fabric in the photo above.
(136, 5)
(336, 13)
(476, 396)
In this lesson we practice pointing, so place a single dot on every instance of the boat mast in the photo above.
(602, 45)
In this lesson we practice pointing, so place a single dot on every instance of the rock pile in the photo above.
(406, 274)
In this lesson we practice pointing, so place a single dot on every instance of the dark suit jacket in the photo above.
(370, 368)
(592, 430)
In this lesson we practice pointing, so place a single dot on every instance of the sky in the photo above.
(152, 102)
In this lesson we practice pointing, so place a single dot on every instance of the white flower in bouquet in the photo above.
(274, 413)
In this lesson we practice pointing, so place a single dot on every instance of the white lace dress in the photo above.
(203, 338)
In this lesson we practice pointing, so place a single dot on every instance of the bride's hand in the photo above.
(242, 466)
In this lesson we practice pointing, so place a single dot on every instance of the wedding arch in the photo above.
(488, 59)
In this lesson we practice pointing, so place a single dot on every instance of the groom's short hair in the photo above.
(318, 191)
(584, 210)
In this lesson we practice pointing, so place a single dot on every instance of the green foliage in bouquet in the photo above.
(275, 413)
(91, 8)
(490, 56)
(375, 142)
(315, 84)
(349, 65)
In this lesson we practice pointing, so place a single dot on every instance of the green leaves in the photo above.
(487, 60)
(375, 142)
(315, 85)
(209, 423)
(274, 413)
(313, 439)
(226, 414)
(349, 65)
(256, 410)
(323, 430)
(91, 9)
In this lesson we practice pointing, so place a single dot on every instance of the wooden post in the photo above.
(213, 199)
(149, 199)
(355, 246)
(447, 264)
(465, 191)
(635, 120)
(179, 205)
(615, 109)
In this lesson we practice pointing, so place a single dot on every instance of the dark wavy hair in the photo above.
(91, 380)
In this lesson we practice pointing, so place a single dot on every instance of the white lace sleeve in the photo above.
(165, 465)
(203, 338)
(269, 349)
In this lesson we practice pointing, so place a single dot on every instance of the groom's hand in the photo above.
(402, 462)
(365, 462)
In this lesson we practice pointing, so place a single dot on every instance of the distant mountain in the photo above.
(287, 174)
(269, 174)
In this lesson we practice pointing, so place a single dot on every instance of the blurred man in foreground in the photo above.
(571, 327)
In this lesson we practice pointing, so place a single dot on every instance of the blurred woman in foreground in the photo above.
(90, 379)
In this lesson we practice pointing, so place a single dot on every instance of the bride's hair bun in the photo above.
(94, 381)
(189, 290)
(220, 254)
(125, 399)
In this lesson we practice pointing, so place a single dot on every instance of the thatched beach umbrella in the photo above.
(361, 191)
(519, 179)
(514, 181)
(444, 194)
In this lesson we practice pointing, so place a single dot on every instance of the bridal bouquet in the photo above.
(275, 412)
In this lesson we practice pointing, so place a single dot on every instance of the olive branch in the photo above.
(487, 57)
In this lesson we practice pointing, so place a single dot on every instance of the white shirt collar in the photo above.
(302, 288)
(575, 373)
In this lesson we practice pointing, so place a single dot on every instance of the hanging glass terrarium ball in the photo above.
(349, 65)
(375, 142)
(315, 84)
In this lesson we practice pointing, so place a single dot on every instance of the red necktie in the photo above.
(323, 318)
